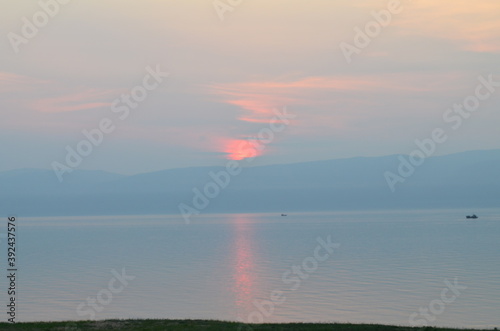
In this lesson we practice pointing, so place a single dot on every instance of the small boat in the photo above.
(284, 215)
(471, 216)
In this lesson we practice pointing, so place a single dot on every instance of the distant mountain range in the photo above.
(463, 180)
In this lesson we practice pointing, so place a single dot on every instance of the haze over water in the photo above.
(388, 265)
(195, 107)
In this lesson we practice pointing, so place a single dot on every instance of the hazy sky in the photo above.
(226, 77)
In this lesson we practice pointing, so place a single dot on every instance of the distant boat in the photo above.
(284, 215)
(471, 216)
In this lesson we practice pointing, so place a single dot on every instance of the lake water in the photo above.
(391, 267)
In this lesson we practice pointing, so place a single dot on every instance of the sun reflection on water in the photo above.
(245, 285)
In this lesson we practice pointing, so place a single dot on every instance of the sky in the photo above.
(355, 85)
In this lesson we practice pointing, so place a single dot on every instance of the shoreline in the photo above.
(167, 324)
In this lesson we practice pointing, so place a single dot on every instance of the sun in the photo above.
(240, 149)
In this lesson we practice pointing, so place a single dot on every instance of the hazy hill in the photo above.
(470, 179)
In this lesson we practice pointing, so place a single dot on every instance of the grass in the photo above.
(185, 325)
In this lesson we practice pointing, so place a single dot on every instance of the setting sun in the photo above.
(239, 149)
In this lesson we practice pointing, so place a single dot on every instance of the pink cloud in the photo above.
(339, 105)
(257, 100)
(10, 82)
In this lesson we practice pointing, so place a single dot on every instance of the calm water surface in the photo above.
(387, 267)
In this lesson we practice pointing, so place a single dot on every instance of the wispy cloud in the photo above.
(340, 106)
(51, 96)
(10, 82)
(256, 100)
(73, 101)
(472, 26)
